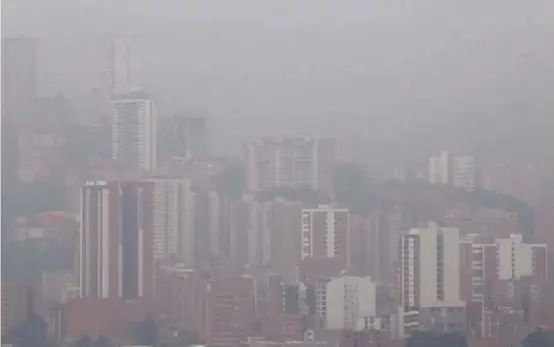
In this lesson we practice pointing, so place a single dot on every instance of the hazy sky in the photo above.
(377, 66)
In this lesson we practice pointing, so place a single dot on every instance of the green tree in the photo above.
(33, 332)
(305, 195)
(147, 332)
(539, 338)
(84, 341)
(453, 339)
(428, 339)
(421, 339)
(101, 341)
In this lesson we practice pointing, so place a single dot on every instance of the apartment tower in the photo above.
(326, 234)
(134, 124)
(115, 247)
(293, 162)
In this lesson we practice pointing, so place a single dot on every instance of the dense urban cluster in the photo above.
(120, 226)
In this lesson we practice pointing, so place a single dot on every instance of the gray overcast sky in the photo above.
(384, 67)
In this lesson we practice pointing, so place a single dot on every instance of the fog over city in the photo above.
(264, 173)
(390, 70)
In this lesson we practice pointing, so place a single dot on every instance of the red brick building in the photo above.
(112, 317)
(180, 299)
(364, 338)
(15, 303)
(230, 310)
(504, 283)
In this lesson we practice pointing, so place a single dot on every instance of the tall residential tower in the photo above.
(292, 162)
(123, 71)
(115, 248)
(326, 234)
(429, 280)
(134, 124)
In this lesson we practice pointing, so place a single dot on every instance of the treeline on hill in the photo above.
(428, 339)
(538, 338)
(28, 199)
(33, 332)
(353, 188)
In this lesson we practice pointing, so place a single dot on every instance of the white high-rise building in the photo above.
(173, 219)
(122, 66)
(292, 162)
(459, 171)
(429, 278)
(517, 259)
(439, 169)
(114, 254)
(134, 126)
(326, 234)
(464, 172)
(349, 299)
(430, 266)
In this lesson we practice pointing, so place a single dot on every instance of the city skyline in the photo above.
(277, 175)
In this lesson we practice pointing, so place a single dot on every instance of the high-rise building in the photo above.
(19, 76)
(326, 234)
(196, 137)
(266, 233)
(262, 233)
(503, 274)
(517, 259)
(464, 172)
(439, 169)
(219, 233)
(134, 140)
(122, 66)
(173, 219)
(184, 137)
(95, 112)
(206, 240)
(459, 171)
(348, 300)
(283, 309)
(230, 311)
(172, 130)
(180, 296)
(290, 162)
(246, 244)
(211, 236)
(374, 243)
(281, 222)
(15, 304)
(429, 273)
(430, 266)
(115, 248)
